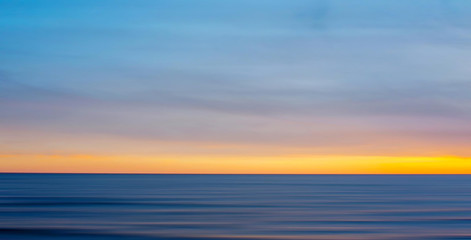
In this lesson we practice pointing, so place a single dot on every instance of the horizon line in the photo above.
(124, 173)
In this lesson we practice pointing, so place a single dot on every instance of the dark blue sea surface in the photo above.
(141, 207)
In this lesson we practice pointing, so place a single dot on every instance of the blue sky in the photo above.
(321, 77)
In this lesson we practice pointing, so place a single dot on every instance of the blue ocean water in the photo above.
(141, 207)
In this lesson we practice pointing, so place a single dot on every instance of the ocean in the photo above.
(145, 207)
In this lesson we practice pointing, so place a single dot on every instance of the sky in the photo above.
(235, 86)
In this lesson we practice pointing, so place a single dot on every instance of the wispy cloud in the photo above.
(323, 76)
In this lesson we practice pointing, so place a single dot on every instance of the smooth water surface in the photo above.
(94, 206)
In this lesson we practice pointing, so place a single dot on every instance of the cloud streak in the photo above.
(329, 77)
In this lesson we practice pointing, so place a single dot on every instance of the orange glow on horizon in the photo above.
(235, 165)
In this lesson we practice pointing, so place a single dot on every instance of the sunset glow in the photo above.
(289, 87)
(236, 165)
